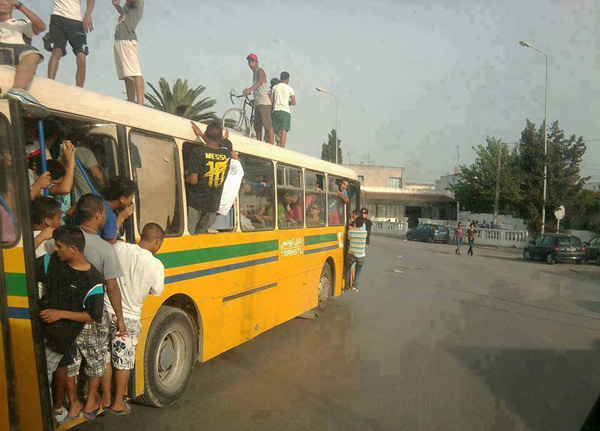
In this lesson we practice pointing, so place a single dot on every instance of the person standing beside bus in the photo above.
(283, 97)
(368, 223)
(67, 24)
(357, 237)
(206, 168)
(143, 274)
(15, 37)
(262, 102)
(126, 48)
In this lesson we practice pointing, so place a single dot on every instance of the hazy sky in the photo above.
(415, 80)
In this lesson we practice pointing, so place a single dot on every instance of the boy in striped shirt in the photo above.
(357, 237)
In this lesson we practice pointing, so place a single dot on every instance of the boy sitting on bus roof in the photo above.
(16, 50)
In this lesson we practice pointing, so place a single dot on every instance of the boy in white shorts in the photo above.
(143, 274)
(126, 48)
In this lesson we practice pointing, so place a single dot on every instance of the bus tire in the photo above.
(325, 289)
(169, 357)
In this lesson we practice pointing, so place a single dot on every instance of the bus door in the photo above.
(23, 379)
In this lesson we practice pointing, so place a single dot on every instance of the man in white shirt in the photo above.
(67, 24)
(143, 274)
(283, 97)
(16, 49)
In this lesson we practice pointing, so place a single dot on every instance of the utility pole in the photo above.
(497, 198)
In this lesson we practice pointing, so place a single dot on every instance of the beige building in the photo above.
(385, 192)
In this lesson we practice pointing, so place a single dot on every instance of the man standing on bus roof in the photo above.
(126, 48)
(67, 24)
(262, 102)
(143, 274)
(206, 168)
(15, 40)
(283, 97)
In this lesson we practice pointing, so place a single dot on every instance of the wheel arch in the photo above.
(331, 264)
(188, 306)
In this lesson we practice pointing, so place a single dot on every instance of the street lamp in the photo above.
(528, 45)
(322, 90)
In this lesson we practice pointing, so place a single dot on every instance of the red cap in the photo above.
(252, 57)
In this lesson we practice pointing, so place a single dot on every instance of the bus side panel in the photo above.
(25, 369)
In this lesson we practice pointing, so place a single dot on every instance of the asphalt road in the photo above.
(433, 341)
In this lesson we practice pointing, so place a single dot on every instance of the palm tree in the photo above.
(182, 101)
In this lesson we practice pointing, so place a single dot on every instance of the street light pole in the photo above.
(497, 198)
(528, 45)
(322, 90)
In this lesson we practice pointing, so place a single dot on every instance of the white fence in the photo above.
(491, 237)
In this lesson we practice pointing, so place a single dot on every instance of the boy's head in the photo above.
(45, 212)
(214, 131)
(90, 208)
(226, 143)
(284, 77)
(252, 61)
(56, 169)
(152, 237)
(274, 82)
(120, 190)
(359, 222)
(69, 242)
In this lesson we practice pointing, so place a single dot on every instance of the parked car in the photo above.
(553, 247)
(592, 249)
(429, 232)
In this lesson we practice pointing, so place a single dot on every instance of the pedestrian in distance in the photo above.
(262, 102)
(459, 234)
(283, 98)
(126, 48)
(15, 45)
(471, 234)
(143, 274)
(368, 223)
(68, 24)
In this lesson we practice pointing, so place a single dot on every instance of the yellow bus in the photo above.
(259, 266)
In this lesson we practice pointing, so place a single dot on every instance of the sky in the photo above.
(419, 83)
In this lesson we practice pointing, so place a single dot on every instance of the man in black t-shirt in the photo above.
(73, 293)
(206, 168)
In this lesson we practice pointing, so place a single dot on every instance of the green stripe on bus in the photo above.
(16, 284)
(318, 239)
(191, 257)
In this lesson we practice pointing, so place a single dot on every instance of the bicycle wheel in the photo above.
(236, 119)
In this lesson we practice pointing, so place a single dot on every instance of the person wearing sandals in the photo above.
(143, 274)
(459, 235)
(16, 50)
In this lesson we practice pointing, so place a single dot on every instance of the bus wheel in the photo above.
(325, 288)
(169, 357)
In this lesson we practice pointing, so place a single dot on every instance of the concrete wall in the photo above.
(378, 176)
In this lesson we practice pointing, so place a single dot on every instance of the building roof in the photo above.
(418, 194)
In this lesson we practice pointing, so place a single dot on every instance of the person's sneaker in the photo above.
(61, 414)
(355, 289)
(30, 104)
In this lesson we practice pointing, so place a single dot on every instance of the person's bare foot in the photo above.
(103, 402)
(119, 406)
(75, 409)
(91, 405)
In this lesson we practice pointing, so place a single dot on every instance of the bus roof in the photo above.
(94, 106)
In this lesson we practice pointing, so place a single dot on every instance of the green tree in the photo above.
(563, 182)
(181, 101)
(476, 186)
(328, 148)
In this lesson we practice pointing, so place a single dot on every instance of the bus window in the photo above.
(154, 164)
(336, 192)
(290, 209)
(8, 203)
(257, 195)
(315, 199)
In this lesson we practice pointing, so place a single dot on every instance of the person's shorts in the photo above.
(12, 54)
(122, 349)
(92, 349)
(262, 117)
(126, 58)
(281, 121)
(63, 30)
(52, 360)
(200, 221)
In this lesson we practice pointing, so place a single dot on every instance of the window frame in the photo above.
(301, 190)
(178, 181)
(324, 192)
(274, 194)
(344, 219)
(393, 179)
(13, 177)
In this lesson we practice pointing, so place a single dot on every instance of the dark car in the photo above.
(555, 247)
(429, 232)
(592, 249)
